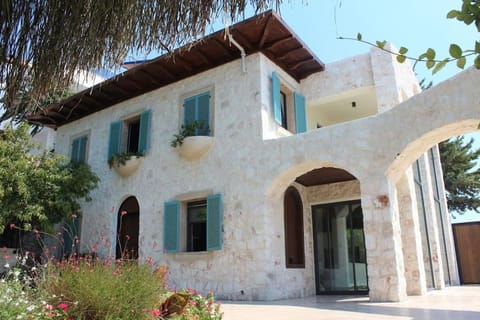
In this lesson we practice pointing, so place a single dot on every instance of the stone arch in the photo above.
(128, 223)
(416, 148)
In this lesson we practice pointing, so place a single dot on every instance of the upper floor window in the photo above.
(131, 135)
(288, 105)
(79, 149)
(196, 110)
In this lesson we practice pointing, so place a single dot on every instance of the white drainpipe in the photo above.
(242, 51)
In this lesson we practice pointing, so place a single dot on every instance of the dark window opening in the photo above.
(133, 136)
(293, 219)
(197, 226)
(283, 109)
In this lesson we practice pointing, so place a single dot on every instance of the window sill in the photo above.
(194, 147)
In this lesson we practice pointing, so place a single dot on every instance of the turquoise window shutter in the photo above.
(171, 226)
(189, 111)
(214, 222)
(82, 149)
(203, 113)
(300, 113)
(277, 108)
(144, 139)
(115, 140)
(75, 150)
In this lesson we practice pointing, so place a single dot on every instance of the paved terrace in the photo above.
(457, 303)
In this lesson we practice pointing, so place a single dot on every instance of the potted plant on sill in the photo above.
(125, 163)
(191, 146)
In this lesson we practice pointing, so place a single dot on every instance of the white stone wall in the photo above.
(251, 164)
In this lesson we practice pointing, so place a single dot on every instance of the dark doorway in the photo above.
(339, 243)
(293, 220)
(128, 229)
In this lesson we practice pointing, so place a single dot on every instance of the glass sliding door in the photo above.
(339, 242)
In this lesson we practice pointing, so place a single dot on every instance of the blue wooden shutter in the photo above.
(300, 113)
(144, 139)
(277, 108)
(189, 111)
(171, 226)
(115, 141)
(203, 113)
(82, 149)
(75, 150)
(214, 222)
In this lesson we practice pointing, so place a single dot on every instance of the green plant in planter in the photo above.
(119, 159)
(188, 131)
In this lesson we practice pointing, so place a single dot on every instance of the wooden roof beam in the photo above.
(265, 32)
(301, 62)
(272, 45)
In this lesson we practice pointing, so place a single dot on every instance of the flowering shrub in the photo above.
(201, 308)
(104, 289)
(20, 302)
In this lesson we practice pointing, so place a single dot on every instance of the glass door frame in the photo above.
(356, 290)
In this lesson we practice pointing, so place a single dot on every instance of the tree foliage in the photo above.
(469, 13)
(38, 189)
(462, 181)
(43, 43)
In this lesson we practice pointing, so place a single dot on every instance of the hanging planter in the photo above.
(125, 164)
(189, 145)
(195, 147)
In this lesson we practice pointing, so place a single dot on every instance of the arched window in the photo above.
(128, 229)
(293, 220)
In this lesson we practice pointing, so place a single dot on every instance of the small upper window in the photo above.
(132, 130)
(288, 107)
(131, 136)
(79, 149)
(196, 111)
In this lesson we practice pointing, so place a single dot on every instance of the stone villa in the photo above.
(305, 179)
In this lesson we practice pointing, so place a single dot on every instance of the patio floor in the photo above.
(458, 303)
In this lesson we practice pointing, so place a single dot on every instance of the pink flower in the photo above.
(156, 313)
(49, 307)
(63, 306)
(127, 237)
(123, 212)
(74, 215)
(12, 225)
(35, 231)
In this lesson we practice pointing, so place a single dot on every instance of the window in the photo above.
(196, 109)
(193, 226)
(197, 226)
(79, 149)
(288, 104)
(293, 220)
(130, 136)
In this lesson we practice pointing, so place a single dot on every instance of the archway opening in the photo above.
(330, 200)
(128, 229)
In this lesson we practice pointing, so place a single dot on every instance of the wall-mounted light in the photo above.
(354, 104)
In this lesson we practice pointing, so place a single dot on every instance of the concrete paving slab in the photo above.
(458, 303)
